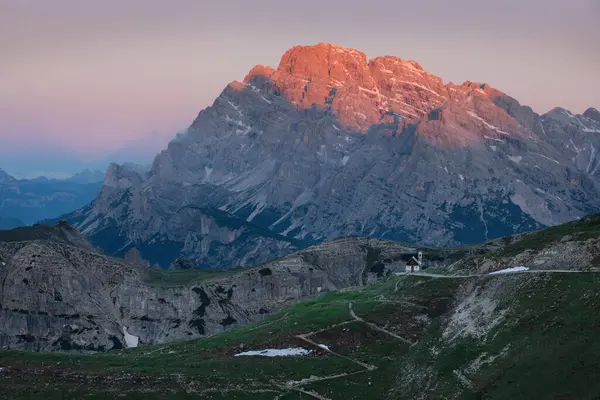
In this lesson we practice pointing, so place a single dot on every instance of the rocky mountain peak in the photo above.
(329, 144)
(120, 176)
(87, 176)
(393, 60)
(360, 93)
(323, 60)
(258, 73)
(384, 91)
(592, 113)
(560, 115)
(5, 177)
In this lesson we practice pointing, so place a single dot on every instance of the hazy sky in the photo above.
(82, 82)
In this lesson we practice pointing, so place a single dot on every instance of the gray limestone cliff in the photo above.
(58, 294)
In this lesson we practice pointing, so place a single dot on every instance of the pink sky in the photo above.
(95, 78)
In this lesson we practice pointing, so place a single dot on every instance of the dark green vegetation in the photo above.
(526, 336)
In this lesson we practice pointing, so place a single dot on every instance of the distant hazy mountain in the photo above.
(332, 144)
(86, 176)
(5, 178)
(26, 201)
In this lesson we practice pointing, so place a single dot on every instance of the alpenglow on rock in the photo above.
(331, 144)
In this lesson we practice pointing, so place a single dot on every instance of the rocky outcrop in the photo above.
(6, 178)
(56, 294)
(331, 144)
(592, 114)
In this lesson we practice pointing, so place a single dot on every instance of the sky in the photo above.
(83, 83)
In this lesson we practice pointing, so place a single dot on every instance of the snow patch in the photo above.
(421, 87)
(322, 152)
(345, 160)
(245, 128)
(515, 159)
(324, 347)
(130, 340)
(252, 178)
(493, 127)
(462, 178)
(297, 351)
(547, 158)
(259, 207)
(509, 270)
(236, 108)
(335, 127)
(484, 359)
(577, 150)
(496, 139)
(207, 172)
(364, 89)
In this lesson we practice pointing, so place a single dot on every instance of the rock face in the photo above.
(331, 144)
(58, 294)
(6, 178)
(593, 114)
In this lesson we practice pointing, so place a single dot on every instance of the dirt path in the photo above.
(297, 385)
(377, 327)
(313, 343)
(530, 271)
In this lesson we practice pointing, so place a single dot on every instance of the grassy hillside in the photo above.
(520, 336)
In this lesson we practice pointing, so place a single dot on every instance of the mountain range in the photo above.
(26, 201)
(331, 144)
